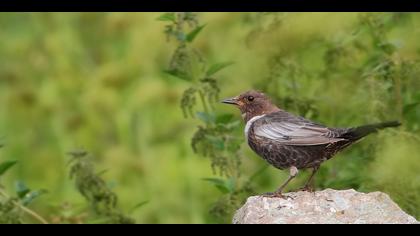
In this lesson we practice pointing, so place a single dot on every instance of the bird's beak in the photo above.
(233, 101)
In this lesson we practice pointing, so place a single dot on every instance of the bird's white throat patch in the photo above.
(249, 123)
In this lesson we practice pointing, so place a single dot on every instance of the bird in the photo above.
(288, 141)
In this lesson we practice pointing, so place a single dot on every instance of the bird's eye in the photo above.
(250, 98)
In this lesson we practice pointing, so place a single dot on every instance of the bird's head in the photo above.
(252, 103)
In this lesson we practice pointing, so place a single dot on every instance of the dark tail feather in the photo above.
(361, 131)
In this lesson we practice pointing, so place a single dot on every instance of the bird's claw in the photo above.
(276, 195)
(306, 189)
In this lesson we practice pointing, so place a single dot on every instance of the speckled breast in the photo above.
(285, 156)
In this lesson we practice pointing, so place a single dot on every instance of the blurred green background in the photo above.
(95, 81)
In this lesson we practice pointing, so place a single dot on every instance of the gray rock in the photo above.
(323, 207)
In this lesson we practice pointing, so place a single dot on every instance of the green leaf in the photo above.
(233, 124)
(181, 36)
(217, 67)
(230, 185)
(170, 16)
(99, 220)
(388, 48)
(179, 74)
(408, 107)
(224, 186)
(4, 166)
(216, 142)
(78, 153)
(137, 206)
(21, 189)
(30, 197)
(205, 117)
(224, 118)
(102, 172)
(112, 184)
(234, 145)
(218, 183)
(191, 35)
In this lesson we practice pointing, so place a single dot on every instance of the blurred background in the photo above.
(96, 81)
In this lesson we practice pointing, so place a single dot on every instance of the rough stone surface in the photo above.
(323, 207)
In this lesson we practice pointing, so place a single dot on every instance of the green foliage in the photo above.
(4, 166)
(94, 189)
(225, 186)
(386, 171)
(138, 206)
(9, 213)
(372, 67)
(167, 17)
(178, 23)
(191, 35)
(217, 67)
(96, 80)
(366, 55)
(214, 138)
(26, 195)
(188, 64)
(12, 209)
(101, 199)
(283, 76)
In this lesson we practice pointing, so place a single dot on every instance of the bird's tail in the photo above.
(357, 133)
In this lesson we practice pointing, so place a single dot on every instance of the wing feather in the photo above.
(296, 132)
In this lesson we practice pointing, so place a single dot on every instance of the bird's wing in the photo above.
(295, 132)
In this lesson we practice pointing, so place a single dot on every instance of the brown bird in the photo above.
(287, 141)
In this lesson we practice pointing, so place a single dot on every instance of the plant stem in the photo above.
(25, 209)
(203, 101)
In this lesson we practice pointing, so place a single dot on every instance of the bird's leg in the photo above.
(293, 172)
(308, 186)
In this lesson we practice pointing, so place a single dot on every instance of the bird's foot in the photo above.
(276, 195)
(306, 188)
